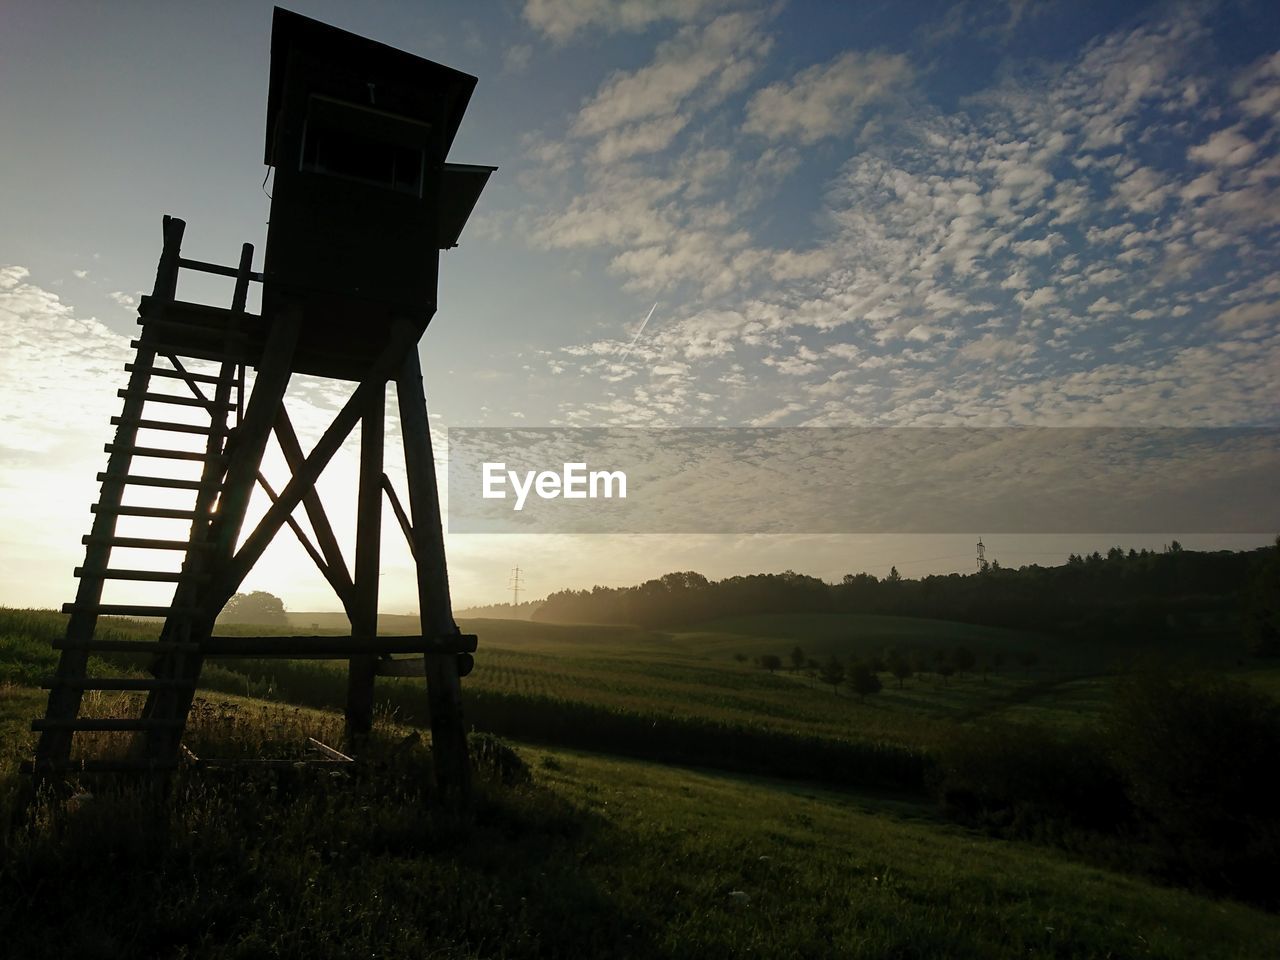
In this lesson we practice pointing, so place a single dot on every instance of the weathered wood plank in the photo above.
(325, 539)
(444, 689)
(336, 647)
(364, 617)
(403, 336)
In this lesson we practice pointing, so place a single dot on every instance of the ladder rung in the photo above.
(194, 353)
(161, 453)
(104, 683)
(220, 270)
(175, 375)
(168, 482)
(97, 766)
(144, 543)
(173, 398)
(199, 329)
(204, 430)
(127, 610)
(106, 723)
(160, 513)
(127, 646)
(155, 576)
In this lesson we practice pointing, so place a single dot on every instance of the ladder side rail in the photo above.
(54, 746)
(182, 628)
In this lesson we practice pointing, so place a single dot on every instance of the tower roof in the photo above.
(369, 62)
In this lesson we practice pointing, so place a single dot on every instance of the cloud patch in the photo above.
(828, 99)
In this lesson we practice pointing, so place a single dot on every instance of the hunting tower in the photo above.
(363, 202)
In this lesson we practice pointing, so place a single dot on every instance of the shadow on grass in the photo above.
(309, 862)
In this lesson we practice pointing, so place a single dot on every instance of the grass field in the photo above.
(555, 682)
(592, 857)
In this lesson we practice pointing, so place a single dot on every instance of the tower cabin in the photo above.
(363, 199)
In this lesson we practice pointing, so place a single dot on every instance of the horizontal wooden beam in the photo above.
(336, 648)
(215, 268)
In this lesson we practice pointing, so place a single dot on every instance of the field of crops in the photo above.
(692, 695)
(592, 856)
(705, 673)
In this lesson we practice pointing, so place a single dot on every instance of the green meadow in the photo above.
(567, 854)
(656, 793)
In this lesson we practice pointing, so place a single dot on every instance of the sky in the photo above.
(706, 213)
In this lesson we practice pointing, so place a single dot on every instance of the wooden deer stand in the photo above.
(363, 202)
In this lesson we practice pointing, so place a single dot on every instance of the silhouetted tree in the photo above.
(771, 662)
(797, 658)
(863, 680)
(946, 669)
(900, 668)
(833, 673)
(992, 661)
(962, 659)
(1262, 609)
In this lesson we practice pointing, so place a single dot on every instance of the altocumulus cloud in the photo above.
(1078, 244)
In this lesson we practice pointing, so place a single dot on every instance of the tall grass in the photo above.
(571, 856)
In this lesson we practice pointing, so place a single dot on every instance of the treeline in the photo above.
(500, 611)
(1131, 593)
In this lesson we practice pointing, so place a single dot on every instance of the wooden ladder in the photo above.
(175, 668)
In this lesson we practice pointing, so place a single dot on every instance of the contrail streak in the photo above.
(638, 332)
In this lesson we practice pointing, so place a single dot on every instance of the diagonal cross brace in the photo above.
(343, 591)
(403, 338)
(327, 542)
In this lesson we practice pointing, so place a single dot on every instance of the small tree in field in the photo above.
(900, 667)
(919, 663)
(992, 662)
(832, 672)
(863, 680)
(1262, 609)
(946, 669)
(963, 659)
(259, 607)
(771, 662)
(797, 658)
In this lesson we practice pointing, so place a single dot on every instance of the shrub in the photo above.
(1030, 780)
(493, 758)
(1198, 757)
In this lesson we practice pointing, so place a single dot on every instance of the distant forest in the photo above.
(1141, 594)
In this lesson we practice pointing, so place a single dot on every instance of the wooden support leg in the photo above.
(444, 688)
(364, 616)
(242, 474)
